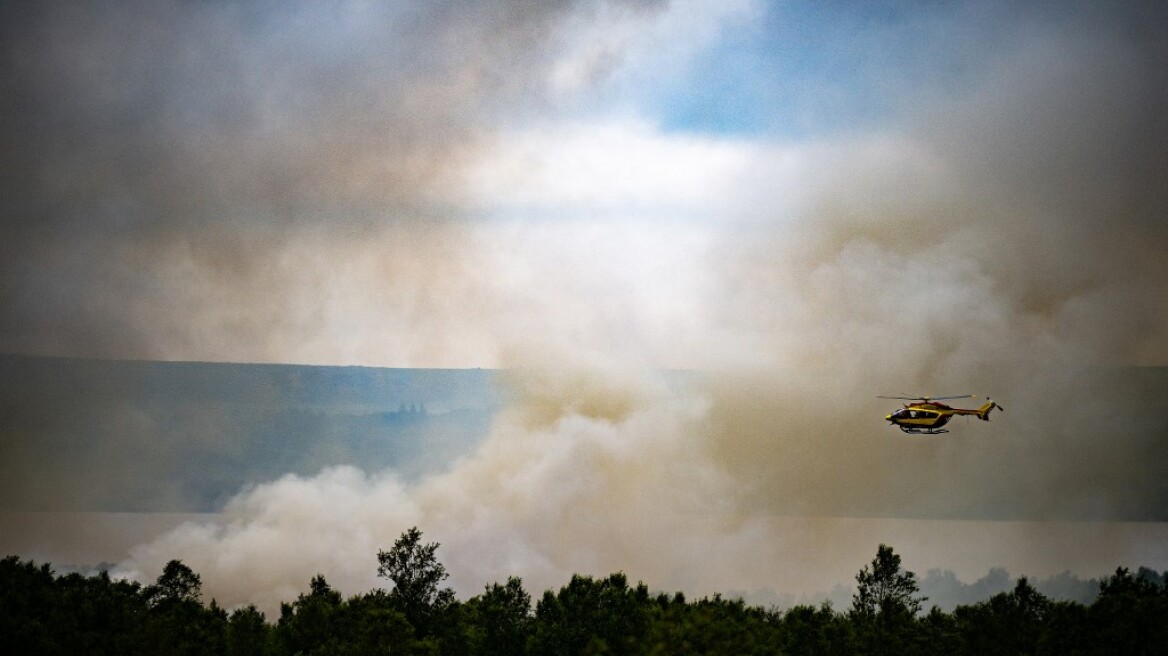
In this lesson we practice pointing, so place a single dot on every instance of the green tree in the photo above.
(1130, 616)
(1065, 630)
(592, 616)
(883, 588)
(368, 624)
(938, 633)
(44, 614)
(416, 575)
(712, 626)
(178, 583)
(97, 615)
(885, 605)
(501, 619)
(307, 624)
(177, 622)
(811, 630)
(247, 632)
(322, 623)
(27, 597)
(1006, 623)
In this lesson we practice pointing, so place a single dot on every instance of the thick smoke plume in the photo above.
(230, 182)
(349, 183)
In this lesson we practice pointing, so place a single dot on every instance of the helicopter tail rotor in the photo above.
(983, 413)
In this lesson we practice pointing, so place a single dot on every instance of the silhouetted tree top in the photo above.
(883, 588)
(178, 583)
(416, 574)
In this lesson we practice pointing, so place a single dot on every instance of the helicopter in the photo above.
(925, 416)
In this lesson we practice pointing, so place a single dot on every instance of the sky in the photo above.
(812, 203)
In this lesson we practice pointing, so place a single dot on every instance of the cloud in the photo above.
(173, 161)
(600, 169)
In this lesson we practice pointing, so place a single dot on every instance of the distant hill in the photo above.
(103, 435)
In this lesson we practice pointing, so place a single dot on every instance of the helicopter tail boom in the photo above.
(983, 413)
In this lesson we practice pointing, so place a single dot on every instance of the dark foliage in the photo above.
(499, 621)
(45, 613)
(591, 616)
(416, 575)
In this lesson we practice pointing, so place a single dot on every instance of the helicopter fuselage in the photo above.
(925, 418)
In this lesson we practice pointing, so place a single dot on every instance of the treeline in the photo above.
(43, 613)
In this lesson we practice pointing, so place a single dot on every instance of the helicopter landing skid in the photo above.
(921, 431)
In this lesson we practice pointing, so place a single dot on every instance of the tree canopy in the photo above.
(42, 612)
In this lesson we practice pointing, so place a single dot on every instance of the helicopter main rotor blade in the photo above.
(927, 398)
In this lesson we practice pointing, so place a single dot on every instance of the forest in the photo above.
(42, 612)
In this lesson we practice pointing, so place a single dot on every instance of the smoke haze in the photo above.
(461, 184)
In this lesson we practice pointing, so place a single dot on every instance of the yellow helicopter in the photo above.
(925, 416)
